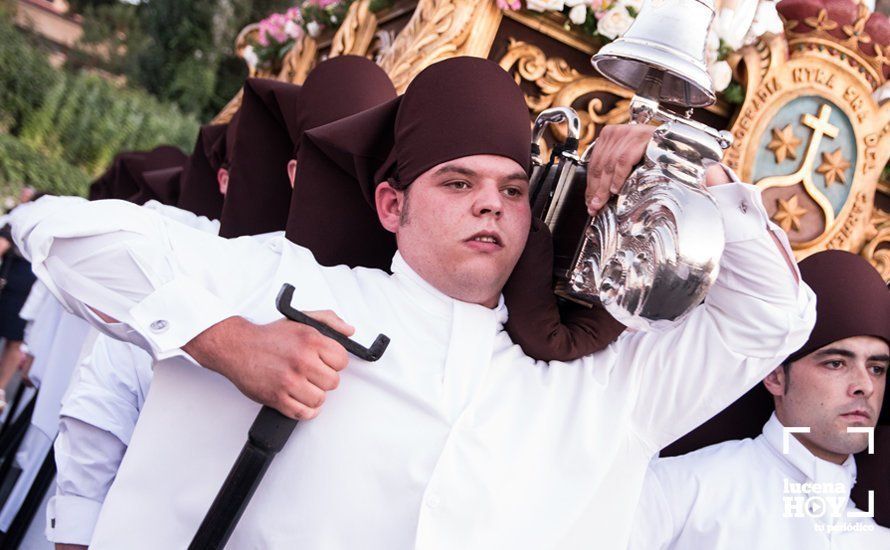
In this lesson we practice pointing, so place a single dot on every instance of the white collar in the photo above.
(432, 299)
(811, 467)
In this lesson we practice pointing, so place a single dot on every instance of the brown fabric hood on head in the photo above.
(851, 299)
(160, 186)
(324, 193)
(458, 107)
(455, 108)
(222, 151)
(199, 190)
(163, 185)
(335, 89)
(120, 178)
(258, 195)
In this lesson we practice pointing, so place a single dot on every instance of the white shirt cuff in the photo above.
(741, 206)
(71, 519)
(174, 314)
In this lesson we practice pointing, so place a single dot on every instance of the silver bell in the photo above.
(662, 54)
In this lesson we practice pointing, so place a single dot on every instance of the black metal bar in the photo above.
(267, 436)
(12, 440)
(13, 407)
(23, 518)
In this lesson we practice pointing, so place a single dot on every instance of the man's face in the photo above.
(838, 386)
(462, 224)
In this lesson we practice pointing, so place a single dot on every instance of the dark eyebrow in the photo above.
(454, 169)
(451, 168)
(881, 358)
(521, 176)
(836, 351)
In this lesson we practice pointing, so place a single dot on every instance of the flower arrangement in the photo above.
(738, 23)
(279, 32)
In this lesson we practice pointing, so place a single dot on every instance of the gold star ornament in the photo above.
(788, 214)
(784, 144)
(833, 167)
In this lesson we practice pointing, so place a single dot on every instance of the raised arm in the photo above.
(755, 314)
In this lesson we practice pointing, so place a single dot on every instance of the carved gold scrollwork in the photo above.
(224, 116)
(355, 35)
(440, 29)
(299, 60)
(559, 85)
(878, 235)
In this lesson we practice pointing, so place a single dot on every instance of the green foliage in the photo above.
(21, 164)
(85, 120)
(177, 51)
(25, 75)
(734, 93)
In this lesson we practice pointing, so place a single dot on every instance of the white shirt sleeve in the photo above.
(98, 416)
(163, 282)
(654, 524)
(201, 223)
(87, 459)
(754, 316)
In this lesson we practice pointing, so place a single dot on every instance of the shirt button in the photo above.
(158, 326)
(432, 501)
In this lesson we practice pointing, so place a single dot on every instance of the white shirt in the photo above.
(97, 418)
(454, 439)
(747, 495)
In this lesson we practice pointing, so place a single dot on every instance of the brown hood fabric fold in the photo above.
(327, 214)
(199, 190)
(223, 149)
(259, 191)
(118, 181)
(162, 187)
(851, 299)
(545, 328)
(459, 107)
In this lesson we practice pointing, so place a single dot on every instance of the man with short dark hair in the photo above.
(454, 438)
(790, 490)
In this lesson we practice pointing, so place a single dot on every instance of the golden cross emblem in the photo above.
(804, 174)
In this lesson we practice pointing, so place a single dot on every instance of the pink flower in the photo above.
(323, 3)
(509, 4)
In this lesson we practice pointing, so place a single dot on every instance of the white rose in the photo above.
(712, 47)
(578, 14)
(250, 57)
(731, 24)
(313, 28)
(637, 5)
(614, 23)
(545, 5)
(293, 29)
(721, 75)
(765, 20)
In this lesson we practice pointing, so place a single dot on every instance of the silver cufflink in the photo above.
(158, 326)
(743, 206)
